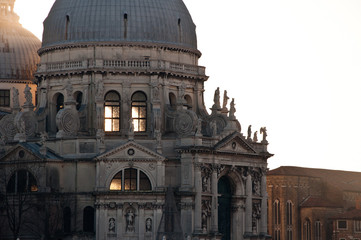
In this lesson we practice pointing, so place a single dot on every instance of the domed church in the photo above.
(120, 144)
(18, 59)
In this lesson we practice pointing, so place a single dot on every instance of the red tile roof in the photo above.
(312, 201)
(351, 214)
(343, 180)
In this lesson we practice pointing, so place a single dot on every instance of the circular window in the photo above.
(21, 154)
(131, 151)
(234, 145)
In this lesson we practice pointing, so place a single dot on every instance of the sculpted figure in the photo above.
(100, 89)
(216, 99)
(199, 127)
(131, 127)
(155, 92)
(43, 137)
(214, 128)
(28, 96)
(225, 99)
(249, 132)
(182, 89)
(148, 225)
(15, 98)
(130, 216)
(263, 131)
(255, 138)
(111, 225)
(204, 183)
(232, 109)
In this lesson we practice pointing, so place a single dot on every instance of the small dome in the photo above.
(18, 48)
(165, 22)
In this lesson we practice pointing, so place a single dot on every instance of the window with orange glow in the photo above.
(139, 112)
(22, 181)
(130, 179)
(112, 112)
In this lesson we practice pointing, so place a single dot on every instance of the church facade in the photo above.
(120, 144)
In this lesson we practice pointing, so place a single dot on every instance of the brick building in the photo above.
(304, 201)
(347, 225)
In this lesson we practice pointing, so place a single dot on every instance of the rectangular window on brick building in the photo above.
(341, 224)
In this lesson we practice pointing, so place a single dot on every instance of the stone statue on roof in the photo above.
(28, 95)
(225, 100)
(216, 99)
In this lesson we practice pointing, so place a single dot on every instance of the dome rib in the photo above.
(18, 51)
(148, 21)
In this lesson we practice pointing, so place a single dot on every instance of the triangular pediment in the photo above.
(131, 151)
(235, 143)
(23, 152)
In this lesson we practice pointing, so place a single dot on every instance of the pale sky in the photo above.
(293, 66)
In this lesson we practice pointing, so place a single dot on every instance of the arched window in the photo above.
(289, 215)
(139, 112)
(130, 179)
(289, 212)
(22, 181)
(224, 207)
(188, 101)
(67, 220)
(307, 230)
(59, 102)
(88, 219)
(318, 230)
(112, 112)
(172, 100)
(78, 96)
(277, 220)
(277, 212)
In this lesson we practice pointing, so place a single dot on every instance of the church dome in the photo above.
(151, 22)
(18, 47)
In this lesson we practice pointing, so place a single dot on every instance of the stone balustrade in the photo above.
(134, 65)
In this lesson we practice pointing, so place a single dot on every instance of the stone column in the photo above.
(198, 198)
(119, 220)
(187, 173)
(264, 204)
(248, 218)
(126, 107)
(214, 189)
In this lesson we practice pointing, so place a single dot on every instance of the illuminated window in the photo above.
(59, 102)
(4, 98)
(112, 112)
(139, 112)
(130, 179)
(22, 181)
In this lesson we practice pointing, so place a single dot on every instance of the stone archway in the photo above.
(224, 207)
